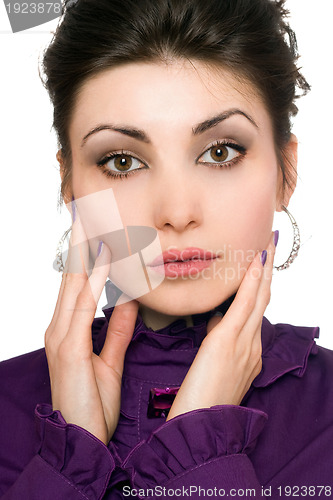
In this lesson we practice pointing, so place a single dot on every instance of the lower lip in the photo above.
(175, 269)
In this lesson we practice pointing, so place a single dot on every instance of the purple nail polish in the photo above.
(263, 257)
(276, 237)
(73, 209)
(99, 250)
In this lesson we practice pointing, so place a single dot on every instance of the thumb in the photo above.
(214, 320)
(119, 334)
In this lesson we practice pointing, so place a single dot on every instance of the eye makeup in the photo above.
(221, 150)
(124, 160)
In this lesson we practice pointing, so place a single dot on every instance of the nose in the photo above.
(176, 200)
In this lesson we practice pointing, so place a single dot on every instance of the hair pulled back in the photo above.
(250, 38)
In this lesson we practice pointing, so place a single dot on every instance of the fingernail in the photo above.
(99, 250)
(276, 237)
(263, 257)
(73, 209)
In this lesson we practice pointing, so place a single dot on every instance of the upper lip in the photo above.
(191, 253)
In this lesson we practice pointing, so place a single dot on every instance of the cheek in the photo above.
(86, 179)
(245, 215)
(133, 202)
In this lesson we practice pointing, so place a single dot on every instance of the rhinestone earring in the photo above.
(58, 264)
(296, 243)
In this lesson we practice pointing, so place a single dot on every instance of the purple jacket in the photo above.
(279, 441)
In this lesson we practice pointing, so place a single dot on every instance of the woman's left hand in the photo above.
(229, 357)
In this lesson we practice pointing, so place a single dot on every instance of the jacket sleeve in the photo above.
(70, 463)
(205, 449)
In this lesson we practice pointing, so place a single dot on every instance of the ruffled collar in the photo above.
(285, 348)
(177, 334)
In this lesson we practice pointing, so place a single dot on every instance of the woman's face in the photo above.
(196, 162)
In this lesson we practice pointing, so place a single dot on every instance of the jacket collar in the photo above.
(285, 348)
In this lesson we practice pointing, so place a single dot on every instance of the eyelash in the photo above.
(109, 173)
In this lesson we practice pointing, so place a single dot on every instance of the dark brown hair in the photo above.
(250, 38)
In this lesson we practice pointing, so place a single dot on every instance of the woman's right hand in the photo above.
(86, 388)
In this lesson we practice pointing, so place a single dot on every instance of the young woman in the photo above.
(175, 151)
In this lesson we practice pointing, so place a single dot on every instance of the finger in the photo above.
(57, 306)
(264, 292)
(100, 272)
(214, 321)
(262, 300)
(87, 300)
(271, 250)
(74, 277)
(119, 334)
(245, 300)
(256, 352)
(78, 255)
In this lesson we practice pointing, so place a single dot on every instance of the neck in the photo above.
(156, 320)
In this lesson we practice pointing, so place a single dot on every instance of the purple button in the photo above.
(160, 401)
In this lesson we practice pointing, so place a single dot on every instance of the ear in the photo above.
(290, 157)
(68, 195)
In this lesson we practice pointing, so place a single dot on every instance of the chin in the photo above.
(186, 300)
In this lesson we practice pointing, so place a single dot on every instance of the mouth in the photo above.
(174, 263)
(186, 255)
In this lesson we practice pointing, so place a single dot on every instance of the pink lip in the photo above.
(190, 253)
(176, 262)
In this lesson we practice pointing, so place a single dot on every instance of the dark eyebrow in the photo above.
(212, 122)
(140, 135)
(131, 132)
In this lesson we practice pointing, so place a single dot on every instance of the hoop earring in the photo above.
(58, 263)
(296, 243)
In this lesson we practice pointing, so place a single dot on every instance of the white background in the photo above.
(31, 224)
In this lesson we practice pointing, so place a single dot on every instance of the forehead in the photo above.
(178, 93)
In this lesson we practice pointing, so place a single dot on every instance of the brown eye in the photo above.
(123, 162)
(219, 153)
(222, 153)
